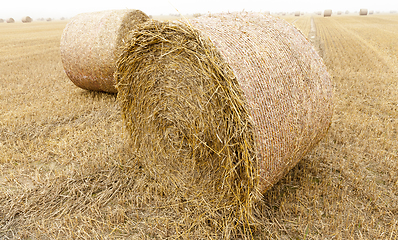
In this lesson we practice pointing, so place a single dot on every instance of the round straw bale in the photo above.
(89, 46)
(327, 13)
(1, 20)
(363, 11)
(10, 20)
(26, 19)
(232, 101)
(297, 13)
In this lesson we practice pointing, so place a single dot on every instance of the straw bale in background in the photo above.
(10, 20)
(27, 19)
(89, 46)
(1, 20)
(327, 13)
(224, 105)
(363, 11)
(297, 14)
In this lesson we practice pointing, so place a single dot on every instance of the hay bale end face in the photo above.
(363, 12)
(327, 13)
(297, 14)
(10, 20)
(27, 19)
(89, 46)
(231, 101)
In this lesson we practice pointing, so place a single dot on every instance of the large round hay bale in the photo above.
(10, 20)
(363, 12)
(89, 46)
(230, 102)
(327, 13)
(297, 14)
(1, 20)
(26, 19)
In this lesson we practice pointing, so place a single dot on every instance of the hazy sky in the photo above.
(69, 8)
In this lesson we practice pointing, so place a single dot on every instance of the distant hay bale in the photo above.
(327, 13)
(339, 12)
(89, 46)
(10, 20)
(27, 19)
(225, 104)
(297, 13)
(1, 20)
(370, 12)
(49, 19)
(363, 12)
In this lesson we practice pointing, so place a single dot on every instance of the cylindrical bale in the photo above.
(10, 20)
(90, 43)
(297, 14)
(26, 19)
(370, 12)
(363, 12)
(327, 13)
(339, 12)
(1, 20)
(238, 97)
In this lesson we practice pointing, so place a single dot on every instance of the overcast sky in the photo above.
(69, 8)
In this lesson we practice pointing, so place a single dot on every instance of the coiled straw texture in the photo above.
(222, 106)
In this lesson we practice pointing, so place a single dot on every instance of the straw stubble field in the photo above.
(66, 171)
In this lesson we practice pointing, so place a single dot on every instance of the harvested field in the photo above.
(65, 171)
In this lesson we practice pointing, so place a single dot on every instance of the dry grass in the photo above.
(65, 171)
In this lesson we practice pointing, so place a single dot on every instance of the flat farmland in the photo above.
(66, 171)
